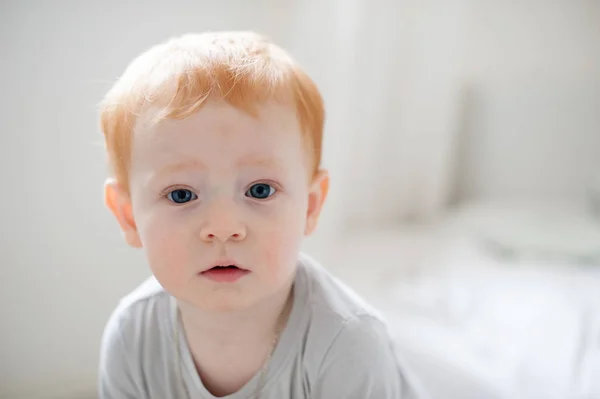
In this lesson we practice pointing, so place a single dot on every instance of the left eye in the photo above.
(260, 191)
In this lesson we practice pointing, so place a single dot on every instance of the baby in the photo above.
(214, 140)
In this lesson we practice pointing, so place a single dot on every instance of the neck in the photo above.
(240, 327)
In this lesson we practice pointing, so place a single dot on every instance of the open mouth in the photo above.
(224, 273)
(230, 267)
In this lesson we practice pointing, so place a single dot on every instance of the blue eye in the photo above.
(181, 196)
(260, 191)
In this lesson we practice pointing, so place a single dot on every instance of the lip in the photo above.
(222, 274)
(223, 262)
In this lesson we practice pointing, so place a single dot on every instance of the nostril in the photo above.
(224, 237)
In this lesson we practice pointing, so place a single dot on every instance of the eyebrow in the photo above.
(196, 164)
(192, 164)
(264, 162)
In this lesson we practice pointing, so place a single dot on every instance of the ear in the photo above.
(119, 202)
(316, 198)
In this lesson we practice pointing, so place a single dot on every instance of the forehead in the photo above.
(219, 132)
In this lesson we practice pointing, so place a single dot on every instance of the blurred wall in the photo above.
(532, 120)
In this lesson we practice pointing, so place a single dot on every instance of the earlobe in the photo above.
(316, 198)
(119, 203)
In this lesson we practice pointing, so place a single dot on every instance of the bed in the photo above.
(471, 324)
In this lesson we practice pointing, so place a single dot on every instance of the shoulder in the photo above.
(144, 307)
(363, 337)
(328, 294)
(336, 310)
(361, 362)
(130, 339)
(353, 350)
(333, 309)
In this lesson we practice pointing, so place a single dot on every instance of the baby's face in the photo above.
(222, 187)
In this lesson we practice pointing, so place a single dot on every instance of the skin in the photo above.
(220, 158)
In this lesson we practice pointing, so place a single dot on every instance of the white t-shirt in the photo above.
(334, 346)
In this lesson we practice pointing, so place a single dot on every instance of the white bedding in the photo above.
(477, 328)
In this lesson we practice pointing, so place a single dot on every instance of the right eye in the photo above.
(181, 196)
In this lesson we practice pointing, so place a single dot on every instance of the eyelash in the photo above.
(170, 189)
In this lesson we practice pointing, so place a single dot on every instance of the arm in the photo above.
(361, 364)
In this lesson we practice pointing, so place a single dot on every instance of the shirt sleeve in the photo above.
(361, 364)
(115, 378)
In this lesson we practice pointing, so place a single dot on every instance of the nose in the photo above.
(222, 223)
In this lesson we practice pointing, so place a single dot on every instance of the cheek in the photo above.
(166, 247)
(280, 248)
(275, 252)
(280, 257)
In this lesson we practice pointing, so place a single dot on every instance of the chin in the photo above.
(222, 302)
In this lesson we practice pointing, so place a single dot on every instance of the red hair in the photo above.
(175, 78)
